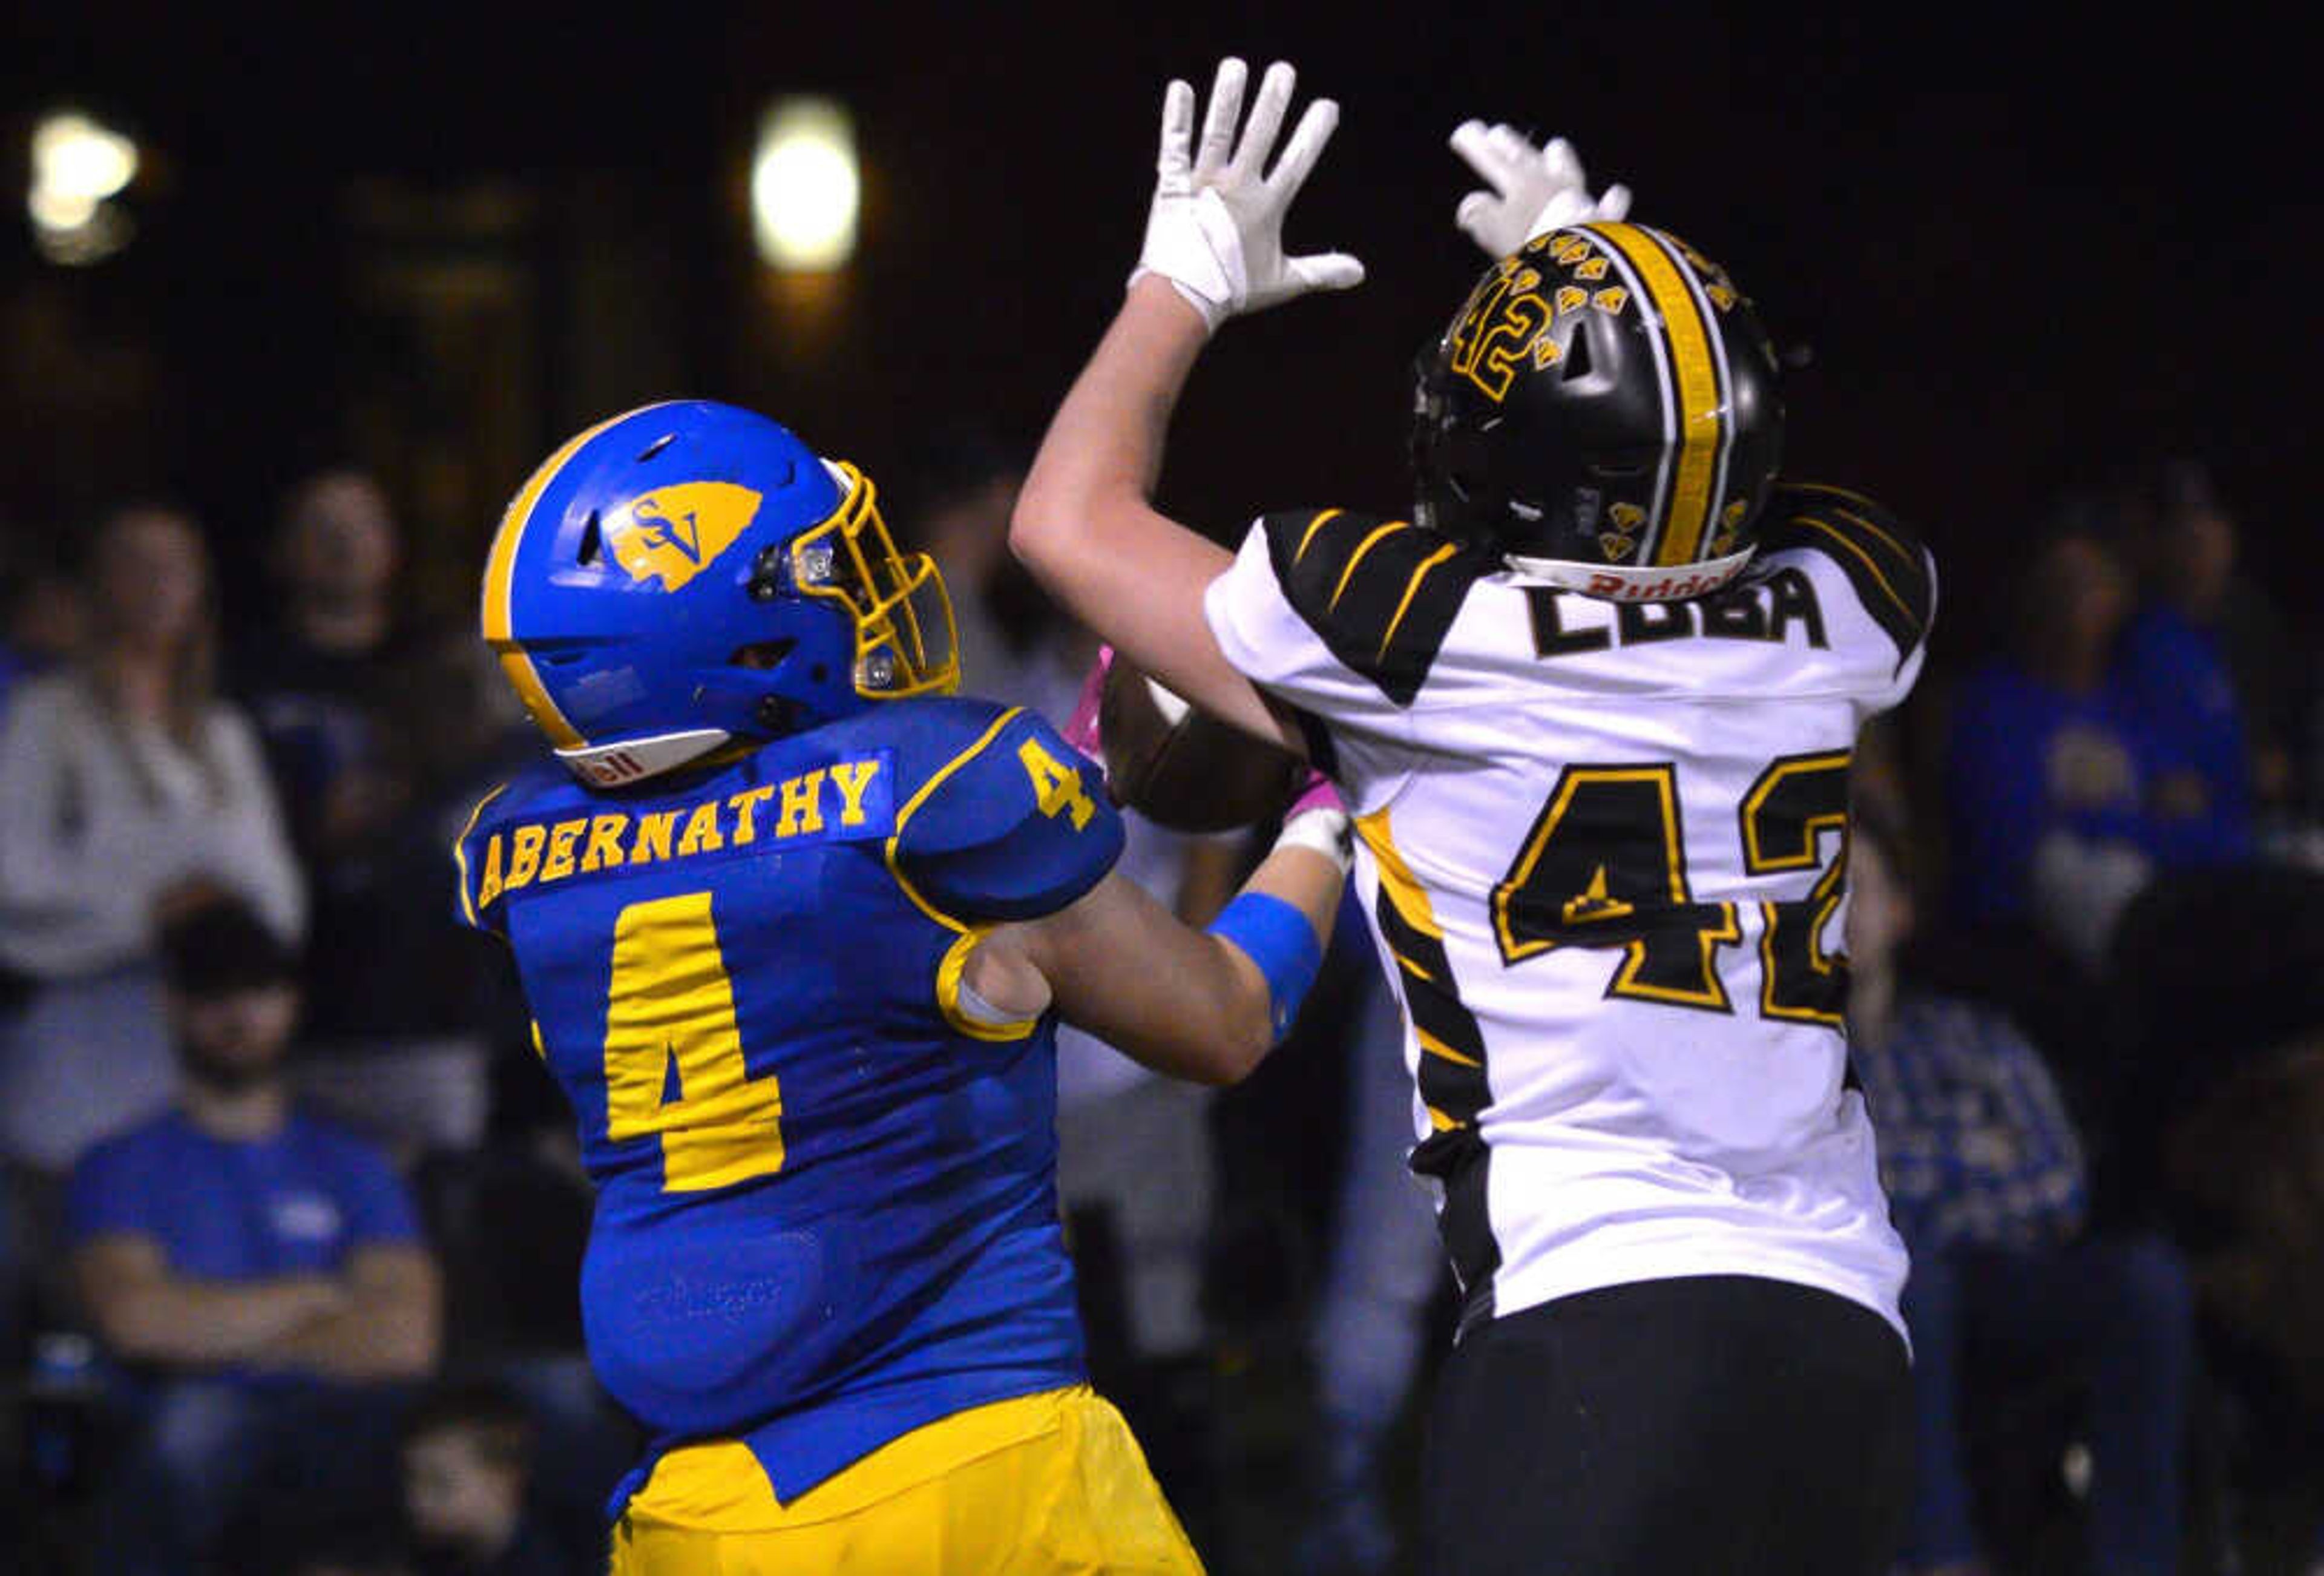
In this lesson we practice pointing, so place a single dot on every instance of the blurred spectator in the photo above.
(1384, 1270)
(257, 1272)
(467, 1456)
(2206, 662)
(1137, 1182)
(122, 777)
(2248, 1175)
(1986, 1178)
(954, 499)
(2048, 768)
(44, 613)
(345, 692)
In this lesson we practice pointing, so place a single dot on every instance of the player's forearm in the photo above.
(1216, 1029)
(1084, 526)
(1232, 992)
(1190, 1003)
(1104, 449)
(1308, 881)
(1311, 883)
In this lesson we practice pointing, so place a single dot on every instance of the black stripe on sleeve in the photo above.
(1882, 558)
(1381, 593)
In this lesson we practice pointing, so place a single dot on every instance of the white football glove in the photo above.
(1215, 230)
(1533, 190)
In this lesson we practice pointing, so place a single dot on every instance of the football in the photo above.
(1183, 769)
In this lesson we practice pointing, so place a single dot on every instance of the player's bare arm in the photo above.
(1085, 524)
(1191, 1003)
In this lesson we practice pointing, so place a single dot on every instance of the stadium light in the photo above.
(78, 167)
(805, 186)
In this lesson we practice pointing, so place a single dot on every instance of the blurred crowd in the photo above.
(293, 1221)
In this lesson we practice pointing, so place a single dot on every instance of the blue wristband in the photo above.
(1277, 937)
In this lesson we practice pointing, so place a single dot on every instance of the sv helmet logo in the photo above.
(673, 533)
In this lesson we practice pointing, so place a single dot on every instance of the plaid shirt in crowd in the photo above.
(1976, 1145)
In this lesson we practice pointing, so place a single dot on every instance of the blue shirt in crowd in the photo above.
(2024, 758)
(297, 1202)
(2175, 673)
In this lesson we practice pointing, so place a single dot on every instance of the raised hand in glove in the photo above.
(1215, 230)
(1533, 190)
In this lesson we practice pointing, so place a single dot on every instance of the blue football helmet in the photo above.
(688, 575)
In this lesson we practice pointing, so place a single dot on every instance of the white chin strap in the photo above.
(1630, 583)
(635, 760)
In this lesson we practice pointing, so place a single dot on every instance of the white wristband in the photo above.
(1325, 830)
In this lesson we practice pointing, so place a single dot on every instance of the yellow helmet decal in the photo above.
(673, 533)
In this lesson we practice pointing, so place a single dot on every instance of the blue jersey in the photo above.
(826, 1209)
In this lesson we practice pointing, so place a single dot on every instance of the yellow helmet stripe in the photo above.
(500, 586)
(1694, 377)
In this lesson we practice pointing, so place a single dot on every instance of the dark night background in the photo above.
(2016, 253)
(2024, 250)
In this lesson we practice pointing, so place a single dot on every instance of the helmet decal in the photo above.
(672, 533)
(1503, 318)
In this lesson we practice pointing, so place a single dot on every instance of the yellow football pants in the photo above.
(1042, 1485)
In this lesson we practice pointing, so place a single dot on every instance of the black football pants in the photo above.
(1715, 1423)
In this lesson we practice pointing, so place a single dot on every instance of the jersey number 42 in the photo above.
(1604, 866)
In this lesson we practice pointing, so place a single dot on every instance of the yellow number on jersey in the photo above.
(1056, 786)
(670, 998)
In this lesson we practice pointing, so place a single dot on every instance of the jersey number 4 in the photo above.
(1604, 866)
(674, 1064)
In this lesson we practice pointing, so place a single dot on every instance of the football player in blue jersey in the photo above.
(795, 927)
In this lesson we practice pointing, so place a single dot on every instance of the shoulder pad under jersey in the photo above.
(1002, 818)
(1381, 593)
(1882, 558)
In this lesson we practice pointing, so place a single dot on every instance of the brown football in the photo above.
(1182, 768)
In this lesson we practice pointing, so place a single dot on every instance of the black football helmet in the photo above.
(1602, 413)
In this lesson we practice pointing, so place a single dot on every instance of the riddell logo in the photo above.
(1669, 588)
(610, 770)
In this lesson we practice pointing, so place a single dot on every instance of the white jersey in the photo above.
(1603, 848)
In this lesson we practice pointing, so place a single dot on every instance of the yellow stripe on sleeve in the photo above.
(1356, 557)
(460, 851)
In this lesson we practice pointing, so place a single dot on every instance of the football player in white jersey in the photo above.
(1592, 705)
